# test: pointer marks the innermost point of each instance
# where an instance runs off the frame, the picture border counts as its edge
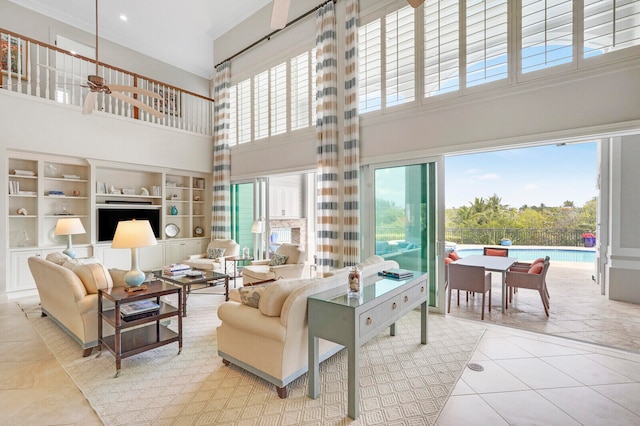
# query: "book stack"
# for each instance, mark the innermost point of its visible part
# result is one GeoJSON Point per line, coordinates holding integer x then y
{"type": "Point", "coordinates": [14, 187]}
{"type": "Point", "coordinates": [136, 310]}
{"type": "Point", "coordinates": [176, 269]}
{"type": "Point", "coordinates": [398, 274]}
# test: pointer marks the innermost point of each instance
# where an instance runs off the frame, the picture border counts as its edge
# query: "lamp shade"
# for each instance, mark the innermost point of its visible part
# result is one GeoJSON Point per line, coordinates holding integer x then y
{"type": "Point", "coordinates": [69, 226]}
{"type": "Point", "coordinates": [258, 226]}
{"type": "Point", "coordinates": [133, 234]}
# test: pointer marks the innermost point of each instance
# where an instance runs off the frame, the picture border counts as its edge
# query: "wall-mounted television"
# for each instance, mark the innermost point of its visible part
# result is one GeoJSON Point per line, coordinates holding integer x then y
{"type": "Point", "coordinates": [108, 219]}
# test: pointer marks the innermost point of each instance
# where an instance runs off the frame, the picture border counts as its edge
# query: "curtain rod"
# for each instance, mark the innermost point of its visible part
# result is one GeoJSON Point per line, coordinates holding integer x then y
{"type": "Point", "coordinates": [268, 36]}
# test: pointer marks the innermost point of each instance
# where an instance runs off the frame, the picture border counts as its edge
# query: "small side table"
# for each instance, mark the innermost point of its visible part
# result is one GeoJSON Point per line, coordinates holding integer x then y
{"type": "Point", "coordinates": [130, 338]}
{"type": "Point", "coordinates": [236, 260]}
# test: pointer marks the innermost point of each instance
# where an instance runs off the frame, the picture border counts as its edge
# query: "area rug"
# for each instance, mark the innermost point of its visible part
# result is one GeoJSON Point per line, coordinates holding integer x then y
{"type": "Point", "coordinates": [401, 381]}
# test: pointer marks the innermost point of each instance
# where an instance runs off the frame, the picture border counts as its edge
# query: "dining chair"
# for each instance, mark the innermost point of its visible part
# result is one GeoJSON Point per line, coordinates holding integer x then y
{"type": "Point", "coordinates": [525, 267]}
{"type": "Point", "coordinates": [469, 278]}
{"type": "Point", "coordinates": [496, 251]}
{"type": "Point", "coordinates": [533, 279]}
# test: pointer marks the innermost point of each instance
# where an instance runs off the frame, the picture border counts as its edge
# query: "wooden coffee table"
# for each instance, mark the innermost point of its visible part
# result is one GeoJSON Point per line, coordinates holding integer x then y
{"type": "Point", "coordinates": [207, 279]}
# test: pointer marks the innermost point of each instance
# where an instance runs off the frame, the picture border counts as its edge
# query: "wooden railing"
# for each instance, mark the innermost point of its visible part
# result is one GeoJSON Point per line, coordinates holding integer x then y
{"type": "Point", "coordinates": [39, 69]}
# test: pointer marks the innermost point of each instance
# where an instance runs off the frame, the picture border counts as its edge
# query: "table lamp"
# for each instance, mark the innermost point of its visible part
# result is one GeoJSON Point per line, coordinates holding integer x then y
{"type": "Point", "coordinates": [133, 234]}
{"type": "Point", "coordinates": [258, 229]}
{"type": "Point", "coordinates": [69, 226]}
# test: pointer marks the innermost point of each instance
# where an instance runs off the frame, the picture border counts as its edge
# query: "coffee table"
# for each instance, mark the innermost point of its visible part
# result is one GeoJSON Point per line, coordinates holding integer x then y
{"type": "Point", "coordinates": [207, 279]}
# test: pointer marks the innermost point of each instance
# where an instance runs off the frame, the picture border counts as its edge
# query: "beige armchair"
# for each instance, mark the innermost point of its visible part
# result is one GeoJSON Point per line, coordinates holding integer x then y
{"type": "Point", "coordinates": [201, 261]}
{"type": "Point", "coordinates": [260, 271]}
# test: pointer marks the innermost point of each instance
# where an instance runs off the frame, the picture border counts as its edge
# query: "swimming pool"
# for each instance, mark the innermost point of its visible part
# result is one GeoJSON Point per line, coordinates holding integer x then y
{"type": "Point", "coordinates": [560, 255]}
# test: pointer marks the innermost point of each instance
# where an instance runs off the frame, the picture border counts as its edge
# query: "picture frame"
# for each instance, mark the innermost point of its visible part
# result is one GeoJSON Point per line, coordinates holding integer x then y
{"type": "Point", "coordinates": [128, 191]}
{"type": "Point", "coordinates": [19, 51]}
{"type": "Point", "coordinates": [101, 188]}
{"type": "Point", "coordinates": [170, 102]}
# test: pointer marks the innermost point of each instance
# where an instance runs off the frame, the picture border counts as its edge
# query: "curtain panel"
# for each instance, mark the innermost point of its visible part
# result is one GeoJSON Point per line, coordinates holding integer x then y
{"type": "Point", "coordinates": [351, 144]}
{"type": "Point", "coordinates": [221, 200]}
{"type": "Point", "coordinates": [328, 242]}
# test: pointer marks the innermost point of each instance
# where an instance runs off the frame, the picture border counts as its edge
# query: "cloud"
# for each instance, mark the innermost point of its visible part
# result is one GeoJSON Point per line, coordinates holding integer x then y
{"type": "Point", "coordinates": [530, 187]}
{"type": "Point", "coordinates": [472, 171]}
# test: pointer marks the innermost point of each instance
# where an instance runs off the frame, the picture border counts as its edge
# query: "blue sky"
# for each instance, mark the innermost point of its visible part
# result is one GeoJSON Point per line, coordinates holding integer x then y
{"type": "Point", "coordinates": [547, 174]}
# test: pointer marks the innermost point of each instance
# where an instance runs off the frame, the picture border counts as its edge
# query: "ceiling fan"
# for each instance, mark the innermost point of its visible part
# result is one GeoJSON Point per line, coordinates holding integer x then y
{"type": "Point", "coordinates": [280, 12]}
{"type": "Point", "coordinates": [96, 84]}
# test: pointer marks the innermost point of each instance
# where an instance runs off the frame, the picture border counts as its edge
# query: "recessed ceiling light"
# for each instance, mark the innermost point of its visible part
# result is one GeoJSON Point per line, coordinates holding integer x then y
{"type": "Point", "coordinates": [123, 17]}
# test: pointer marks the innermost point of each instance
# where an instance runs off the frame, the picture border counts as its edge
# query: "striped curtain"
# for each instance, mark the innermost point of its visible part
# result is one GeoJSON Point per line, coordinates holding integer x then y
{"type": "Point", "coordinates": [351, 146]}
{"type": "Point", "coordinates": [327, 139]}
{"type": "Point", "coordinates": [221, 203]}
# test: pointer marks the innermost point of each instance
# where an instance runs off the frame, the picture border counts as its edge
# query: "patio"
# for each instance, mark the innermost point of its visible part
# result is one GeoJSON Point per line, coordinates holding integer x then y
{"type": "Point", "coordinates": [577, 309]}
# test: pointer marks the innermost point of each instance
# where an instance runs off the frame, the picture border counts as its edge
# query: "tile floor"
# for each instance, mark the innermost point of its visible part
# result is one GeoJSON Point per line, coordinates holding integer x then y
{"type": "Point", "coordinates": [528, 377]}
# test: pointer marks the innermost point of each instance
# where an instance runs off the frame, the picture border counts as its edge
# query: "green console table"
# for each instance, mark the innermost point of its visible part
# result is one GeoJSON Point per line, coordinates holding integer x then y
{"type": "Point", "coordinates": [353, 322]}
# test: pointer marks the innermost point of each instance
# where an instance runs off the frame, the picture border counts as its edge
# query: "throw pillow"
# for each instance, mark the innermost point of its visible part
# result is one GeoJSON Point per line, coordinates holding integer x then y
{"type": "Point", "coordinates": [94, 276]}
{"type": "Point", "coordinates": [278, 259]}
{"type": "Point", "coordinates": [453, 255]}
{"type": "Point", "coordinates": [117, 276]}
{"type": "Point", "coordinates": [250, 296]}
{"type": "Point", "coordinates": [214, 253]}
{"type": "Point", "coordinates": [275, 294]}
{"type": "Point", "coordinates": [58, 258]}
{"type": "Point", "coordinates": [536, 269]}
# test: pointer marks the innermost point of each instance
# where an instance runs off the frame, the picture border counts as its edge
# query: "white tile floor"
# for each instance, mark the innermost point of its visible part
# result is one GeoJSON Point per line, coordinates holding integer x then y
{"type": "Point", "coordinates": [536, 379]}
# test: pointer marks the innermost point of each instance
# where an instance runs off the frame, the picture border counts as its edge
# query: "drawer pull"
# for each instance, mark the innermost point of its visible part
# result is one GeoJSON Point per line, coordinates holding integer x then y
{"type": "Point", "coordinates": [369, 321]}
{"type": "Point", "coordinates": [422, 289]}
{"type": "Point", "coordinates": [394, 305]}
{"type": "Point", "coordinates": [406, 299]}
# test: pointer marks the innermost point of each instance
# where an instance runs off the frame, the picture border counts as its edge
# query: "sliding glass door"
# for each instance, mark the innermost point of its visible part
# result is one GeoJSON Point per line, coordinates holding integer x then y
{"type": "Point", "coordinates": [248, 203]}
{"type": "Point", "coordinates": [406, 222]}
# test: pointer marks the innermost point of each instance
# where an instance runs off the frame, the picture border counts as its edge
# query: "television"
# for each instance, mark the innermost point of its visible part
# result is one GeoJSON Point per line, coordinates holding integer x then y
{"type": "Point", "coordinates": [108, 219]}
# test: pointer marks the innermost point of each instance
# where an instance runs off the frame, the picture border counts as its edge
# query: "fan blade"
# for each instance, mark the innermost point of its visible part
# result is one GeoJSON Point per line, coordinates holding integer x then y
{"type": "Point", "coordinates": [137, 103]}
{"type": "Point", "coordinates": [279, 14]}
{"type": "Point", "coordinates": [132, 89]}
{"type": "Point", "coordinates": [89, 102]}
{"type": "Point", "coordinates": [415, 3]}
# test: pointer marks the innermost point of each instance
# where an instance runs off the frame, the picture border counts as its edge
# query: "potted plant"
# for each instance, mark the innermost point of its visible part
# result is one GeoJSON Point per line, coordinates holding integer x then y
{"type": "Point", "coordinates": [589, 239]}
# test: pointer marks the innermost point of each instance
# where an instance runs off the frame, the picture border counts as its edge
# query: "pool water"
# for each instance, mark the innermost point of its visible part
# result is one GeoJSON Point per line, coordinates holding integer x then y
{"type": "Point", "coordinates": [526, 255]}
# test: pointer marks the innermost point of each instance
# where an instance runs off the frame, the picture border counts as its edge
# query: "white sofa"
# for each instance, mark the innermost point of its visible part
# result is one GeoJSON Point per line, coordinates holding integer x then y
{"type": "Point", "coordinates": [270, 341]}
{"type": "Point", "coordinates": [201, 261]}
{"type": "Point", "coordinates": [68, 290]}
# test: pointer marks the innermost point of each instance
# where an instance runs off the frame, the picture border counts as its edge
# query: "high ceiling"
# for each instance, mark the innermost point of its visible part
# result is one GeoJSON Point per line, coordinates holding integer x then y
{"type": "Point", "coordinates": [180, 33]}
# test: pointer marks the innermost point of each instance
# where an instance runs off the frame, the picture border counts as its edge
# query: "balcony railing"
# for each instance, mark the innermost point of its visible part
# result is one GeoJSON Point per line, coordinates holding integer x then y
{"type": "Point", "coordinates": [38, 69]}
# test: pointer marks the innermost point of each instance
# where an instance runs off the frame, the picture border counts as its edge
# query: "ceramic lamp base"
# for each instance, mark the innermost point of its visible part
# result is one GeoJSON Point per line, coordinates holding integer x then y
{"type": "Point", "coordinates": [134, 278]}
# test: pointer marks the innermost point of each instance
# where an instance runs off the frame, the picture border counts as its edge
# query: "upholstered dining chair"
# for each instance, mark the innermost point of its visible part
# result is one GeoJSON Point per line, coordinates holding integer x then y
{"type": "Point", "coordinates": [533, 279]}
{"type": "Point", "coordinates": [496, 251]}
{"type": "Point", "coordinates": [469, 278]}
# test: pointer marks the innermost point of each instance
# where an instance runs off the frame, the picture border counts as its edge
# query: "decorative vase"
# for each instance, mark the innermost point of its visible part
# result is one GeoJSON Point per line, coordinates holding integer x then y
{"type": "Point", "coordinates": [174, 210]}
{"type": "Point", "coordinates": [245, 252]}
{"type": "Point", "coordinates": [355, 282]}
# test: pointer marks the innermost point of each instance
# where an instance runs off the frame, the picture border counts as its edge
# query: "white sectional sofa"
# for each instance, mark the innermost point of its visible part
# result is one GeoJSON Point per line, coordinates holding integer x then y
{"type": "Point", "coordinates": [270, 340]}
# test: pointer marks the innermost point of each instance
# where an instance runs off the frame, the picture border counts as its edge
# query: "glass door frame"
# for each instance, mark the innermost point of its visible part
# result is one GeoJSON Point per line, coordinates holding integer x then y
{"type": "Point", "coordinates": [367, 200]}
{"type": "Point", "coordinates": [260, 210]}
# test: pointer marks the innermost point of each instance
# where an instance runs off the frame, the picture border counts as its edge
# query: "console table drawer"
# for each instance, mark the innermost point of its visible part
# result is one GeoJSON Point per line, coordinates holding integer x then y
{"type": "Point", "coordinates": [377, 318]}
{"type": "Point", "coordinates": [413, 296]}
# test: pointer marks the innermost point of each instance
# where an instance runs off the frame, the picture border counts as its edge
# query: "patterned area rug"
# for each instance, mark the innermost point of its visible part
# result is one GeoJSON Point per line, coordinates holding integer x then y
{"type": "Point", "coordinates": [402, 382]}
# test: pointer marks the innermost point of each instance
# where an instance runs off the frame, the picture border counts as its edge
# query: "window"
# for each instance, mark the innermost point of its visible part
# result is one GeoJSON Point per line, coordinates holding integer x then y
{"type": "Point", "coordinates": [400, 75]}
{"type": "Point", "coordinates": [278, 89]}
{"type": "Point", "coordinates": [610, 25]}
{"type": "Point", "coordinates": [547, 33]}
{"type": "Point", "coordinates": [233, 115]}
{"type": "Point", "coordinates": [261, 105]}
{"type": "Point", "coordinates": [300, 91]}
{"type": "Point", "coordinates": [441, 47]}
{"type": "Point", "coordinates": [486, 42]}
{"type": "Point", "coordinates": [244, 111]}
{"type": "Point", "coordinates": [370, 66]}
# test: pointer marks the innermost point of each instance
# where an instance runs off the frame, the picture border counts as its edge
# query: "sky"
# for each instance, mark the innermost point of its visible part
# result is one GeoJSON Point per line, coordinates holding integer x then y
{"type": "Point", "coordinates": [548, 174]}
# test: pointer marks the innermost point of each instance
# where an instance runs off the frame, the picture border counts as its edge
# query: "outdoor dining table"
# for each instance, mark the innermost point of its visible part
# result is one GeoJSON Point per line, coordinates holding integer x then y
{"type": "Point", "coordinates": [491, 263]}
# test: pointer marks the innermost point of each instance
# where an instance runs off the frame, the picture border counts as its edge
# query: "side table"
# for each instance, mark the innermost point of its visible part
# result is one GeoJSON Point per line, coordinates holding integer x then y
{"type": "Point", "coordinates": [236, 260]}
{"type": "Point", "coordinates": [136, 336]}
{"type": "Point", "coordinates": [353, 322]}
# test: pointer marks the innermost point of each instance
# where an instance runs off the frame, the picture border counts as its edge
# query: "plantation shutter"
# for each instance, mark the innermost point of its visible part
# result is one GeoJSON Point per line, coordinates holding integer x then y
{"type": "Point", "coordinates": [487, 39]}
{"type": "Point", "coordinates": [441, 47]}
{"type": "Point", "coordinates": [261, 105]}
{"type": "Point", "coordinates": [244, 110]}
{"type": "Point", "coordinates": [610, 25]}
{"type": "Point", "coordinates": [547, 33]}
{"type": "Point", "coordinates": [278, 76]}
{"type": "Point", "coordinates": [370, 66]}
{"type": "Point", "coordinates": [300, 91]}
{"type": "Point", "coordinates": [400, 57]}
